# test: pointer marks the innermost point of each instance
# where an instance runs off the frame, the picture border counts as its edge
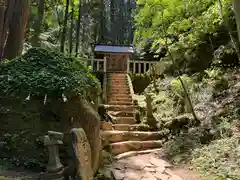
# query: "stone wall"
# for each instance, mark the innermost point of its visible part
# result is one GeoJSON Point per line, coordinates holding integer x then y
{"type": "Point", "coordinates": [23, 126]}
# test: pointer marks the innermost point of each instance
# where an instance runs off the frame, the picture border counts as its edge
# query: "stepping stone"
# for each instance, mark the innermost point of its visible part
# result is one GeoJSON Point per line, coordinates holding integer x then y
{"type": "Point", "coordinates": [175, 177]}
{"type": "Point", "coordinates": [133, 174]}
{"type": "Point", "coordinates": [118, 175]}
{"type": "Point", "coordinates": [120, 102]}
{"type": "Point", "coordinates": [106, 126]}
{"type": "Point", "coordinates": [135, 153]}
{"type": "Point", "coordinates": [124, 120]}
{"type": "Point", "coordinates": [119, 107]}
{"type": "Point", "coordinates": [159, 162]}
{"type": "Point", "coordinates": [126, 146]}
{"type": "Point", "coordinates": [124, 127]}
{"type": "Point", "coordinates": [129, 127]}
{"type": "Point", "coordinates": [161, 176]}
{"type": "Point", "coordinates": [118, 136]}
{"type": "Point", "coordinates": [122, 113]}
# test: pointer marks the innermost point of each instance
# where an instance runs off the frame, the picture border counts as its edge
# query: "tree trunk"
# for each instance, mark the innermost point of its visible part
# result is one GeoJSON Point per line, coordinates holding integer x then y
{"type": "Point", "coordinates": [3, 6]}
{"type": "Point", "coordinates": [16, 30]}
{"type": "Point", "coordinates": [78, 28]}
{"type": "Point", "coordinates": [64, 27]}
{"type": "Point", "coordinates": [226, 23]}
{"type": "Point", "coordinates": [7, 18]}
{"type": "Point", "coordinates": [37, 24]}
{"type": "Point", "coordinates": [236, 8]}
{"type": "Point", "coordinates": [71, 29]}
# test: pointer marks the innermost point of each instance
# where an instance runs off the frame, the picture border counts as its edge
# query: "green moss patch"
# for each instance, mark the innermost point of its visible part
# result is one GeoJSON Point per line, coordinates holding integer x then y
{"type": "Point", "coordinates": [41, 71]}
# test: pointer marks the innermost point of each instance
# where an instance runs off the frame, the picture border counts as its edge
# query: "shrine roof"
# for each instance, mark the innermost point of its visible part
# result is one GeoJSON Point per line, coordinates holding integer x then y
{"type": "Point", "coordinates": [113, 49]}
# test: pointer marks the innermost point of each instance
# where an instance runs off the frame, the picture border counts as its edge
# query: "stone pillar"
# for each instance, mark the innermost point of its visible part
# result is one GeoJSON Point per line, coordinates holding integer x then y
{"type": "Point", "coordinates": [151, 121]}
{"type": "Point", "coordinates": [54, 167]}
{"type": "Point", "coordinates": [149, 105]}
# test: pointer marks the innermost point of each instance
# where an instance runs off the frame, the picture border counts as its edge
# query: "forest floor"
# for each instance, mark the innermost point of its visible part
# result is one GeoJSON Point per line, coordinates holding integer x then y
{"type": "Point", "coordinates": [8, 172]}
{"type": "Point", "coordinates": [152, 166]}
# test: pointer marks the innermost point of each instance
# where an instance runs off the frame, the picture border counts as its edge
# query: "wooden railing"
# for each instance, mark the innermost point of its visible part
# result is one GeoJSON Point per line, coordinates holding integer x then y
{"type": "Point", "coordinates": [139, 67]}
{"type": "Point", "coordinates": [98, 65]}
{"type": "Point", "coordinates": [134, 67]}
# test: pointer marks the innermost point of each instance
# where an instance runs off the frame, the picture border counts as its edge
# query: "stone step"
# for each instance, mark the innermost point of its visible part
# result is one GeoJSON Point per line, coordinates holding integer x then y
{"type": "Point", "coordinates": [116, 96]}
{"type": "Point", "coordinates": [122, 79]}
{"type": "Point", "coordinates": [120, 100]}
{"type": "Point", "coordinates": [119, 81]}
{"type": "Point", "coordinates": [137, 153]}
{"type": "Point", "coordinates": [118, 75]}
{"type": "Point", "coordinates": [120, 94]}
{"type": "Point", "coordinates": [120, 89]}
{"type": "Point", "coordinates": [126, 146]}
{"type": "Point", "coordinates": [107, 126]}
{"type": "Point", "coordinates": [119, 107]}
{"type": "Point", "coordinates": [131, 127]}
{"type": "Point", "coordinates": [123, 84]}
{"type": "Point", "coordinates": [120, 103]}
{"type": "Point", "coordinates": [119, 136]}
{"type": "Point", "coordinates": [122, 113]}
{"type": "Point", "coordinates": [124, 120]}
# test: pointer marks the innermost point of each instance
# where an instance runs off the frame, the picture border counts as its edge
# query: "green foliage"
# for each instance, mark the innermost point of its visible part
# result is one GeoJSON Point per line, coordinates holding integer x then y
{"type": "Point", "coordinates": [220, 158]}
{"type": "Point", "coordinates": [41, 72]}
{"type": "Point", "coordinates": [140, 82]}
{"type": "Point", "coordinates": [215, 77]}
{"type": "Point", "coordinates": [189, 29]}
{"type": "Point", "coordinates": [177, 87]}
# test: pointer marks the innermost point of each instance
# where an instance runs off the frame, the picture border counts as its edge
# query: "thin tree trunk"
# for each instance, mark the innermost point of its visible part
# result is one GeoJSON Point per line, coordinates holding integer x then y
{"type": "Point", "coordinates": [189, 100]}
{"type": "Point", "coordinates": [225, 21]}
{"type": "Point", "coordinates": [78, 28]}
{"type": "Point", "coordinates": [64, 27]}
{"type": "Point", "coordinates": [236, 8]}
{"type": "Point", "coordinates": [186, 93]}
{"type": "Point", "coordinates": [7, 18]}
{"type": "Point", "coordinates": [37, 24]}
{"type": "Point", "coordinates": [71, 29]}
{"type": "Point", "coordinates": [3, 5]}
{"type": "Point", "coordinates": [102, 23]}
{"type": "Point", "coordinates": [17, 28]}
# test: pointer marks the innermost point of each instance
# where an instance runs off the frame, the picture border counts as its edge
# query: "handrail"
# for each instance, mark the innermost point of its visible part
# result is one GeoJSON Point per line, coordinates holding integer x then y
{"type": "Point", "coordinates": [130, 86]}
{"type": "Point", "coordinates": [139, 61]}
{"type": "Point", "coordinates": [98, 61]}
{"type": "Point", "coordinates": [138, 66]}
{"type": "Point", "coordinates": [105, 88]}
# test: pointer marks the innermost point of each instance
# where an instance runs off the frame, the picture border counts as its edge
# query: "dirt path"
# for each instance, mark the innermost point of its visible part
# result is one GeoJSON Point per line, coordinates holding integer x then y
{"type": "Point", "coordinates": [150, 167]}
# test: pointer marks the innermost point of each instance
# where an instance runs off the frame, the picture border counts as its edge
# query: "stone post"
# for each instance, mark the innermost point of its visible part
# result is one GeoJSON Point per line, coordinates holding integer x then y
{"type": "Point", "coordinates": [54, 167]}
{"type": "Point", "coordinates": [151, 121]}
{"type": "Point", "coordinates": [149, 105]}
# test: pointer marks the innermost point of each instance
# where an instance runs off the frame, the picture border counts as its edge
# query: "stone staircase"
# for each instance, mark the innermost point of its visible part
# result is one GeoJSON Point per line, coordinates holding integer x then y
{"type": "Point", "coordinates": [124, 136]}
{"type": "Point", "coordinates": [136, 150]}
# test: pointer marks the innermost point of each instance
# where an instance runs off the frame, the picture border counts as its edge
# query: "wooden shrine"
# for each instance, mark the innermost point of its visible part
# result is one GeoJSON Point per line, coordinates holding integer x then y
{"type": "Point", "coordinates": [116, 57]}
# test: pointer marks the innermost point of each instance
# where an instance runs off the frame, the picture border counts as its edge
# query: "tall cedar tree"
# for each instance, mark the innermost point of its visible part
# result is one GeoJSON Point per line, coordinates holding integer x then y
{"type": "Point", "coordinates": [236, 7]}
{"type": "Point", "coordinates": [15, 22]}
